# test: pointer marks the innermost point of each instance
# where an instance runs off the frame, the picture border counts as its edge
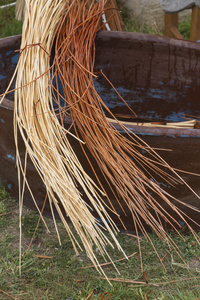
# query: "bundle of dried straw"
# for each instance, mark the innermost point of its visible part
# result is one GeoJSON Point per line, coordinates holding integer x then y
{"type": "Point", "coordinates": [72, 26]}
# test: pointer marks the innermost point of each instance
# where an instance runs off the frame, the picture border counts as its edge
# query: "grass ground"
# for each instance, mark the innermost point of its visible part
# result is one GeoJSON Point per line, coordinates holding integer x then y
{"type": "Point", "coordinates": [50, 271]}
{"type": "Point", "coordinates": [8, 24]}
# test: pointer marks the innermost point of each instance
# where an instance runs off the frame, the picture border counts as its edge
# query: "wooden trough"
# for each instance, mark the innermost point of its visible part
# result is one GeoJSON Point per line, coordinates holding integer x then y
{"type": "Point", "coordinates": [158, 77]}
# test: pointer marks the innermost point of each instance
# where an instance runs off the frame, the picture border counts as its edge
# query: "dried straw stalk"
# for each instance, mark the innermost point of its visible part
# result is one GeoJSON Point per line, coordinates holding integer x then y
{"type": "Point", "coordinates": [20, 9]}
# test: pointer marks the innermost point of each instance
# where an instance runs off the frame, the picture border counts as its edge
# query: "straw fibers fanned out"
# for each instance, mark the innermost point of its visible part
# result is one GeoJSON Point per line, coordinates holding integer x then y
{"type": "Point", "coordinates": [45, 139]}
{"type": "Point", "coordinates": [73, 25]}
{"type": "Point", "coordinates": [118, 158]}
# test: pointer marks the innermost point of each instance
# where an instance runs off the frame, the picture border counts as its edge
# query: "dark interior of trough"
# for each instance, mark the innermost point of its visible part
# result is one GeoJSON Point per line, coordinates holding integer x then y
{"type": "Point", "coordinates": [157, 77]}
{"type": "Point", "coordinates": [159, 81]}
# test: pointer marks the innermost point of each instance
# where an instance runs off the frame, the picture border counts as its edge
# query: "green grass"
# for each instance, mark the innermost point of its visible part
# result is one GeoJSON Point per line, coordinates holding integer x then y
{"type": "Point", "coordinates": [63, 276]}
{"type": "Point", "coordinates": [8, 24]}
{"type": "Point", "coordinates": [184, 28]}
